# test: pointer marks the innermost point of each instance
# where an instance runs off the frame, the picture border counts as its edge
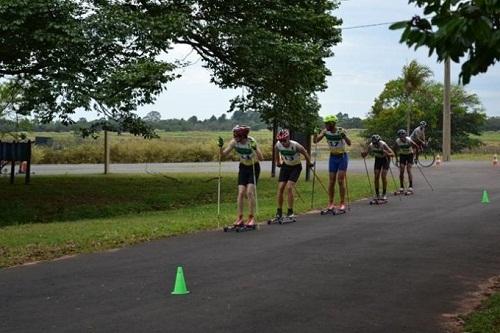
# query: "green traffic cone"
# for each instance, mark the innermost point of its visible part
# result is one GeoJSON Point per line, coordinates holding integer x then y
{"type": "Point", "coordinates": [180, 285]}
{"type": "Point", "coordinates": [485, 197]}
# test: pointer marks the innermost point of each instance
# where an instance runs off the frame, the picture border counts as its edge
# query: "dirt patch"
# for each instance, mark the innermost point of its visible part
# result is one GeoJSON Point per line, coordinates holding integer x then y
{"type": "Point", "coordinates": [453, 322]}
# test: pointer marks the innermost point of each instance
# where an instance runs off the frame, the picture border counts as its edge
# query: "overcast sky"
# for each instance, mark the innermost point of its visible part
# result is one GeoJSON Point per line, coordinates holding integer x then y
{"type": "Point", "coordinates": [366, 59]}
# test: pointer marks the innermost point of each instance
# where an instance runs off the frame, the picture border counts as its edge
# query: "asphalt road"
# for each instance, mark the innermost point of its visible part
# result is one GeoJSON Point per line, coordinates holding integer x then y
{"type": "Point", "coordinates": [391, 268]}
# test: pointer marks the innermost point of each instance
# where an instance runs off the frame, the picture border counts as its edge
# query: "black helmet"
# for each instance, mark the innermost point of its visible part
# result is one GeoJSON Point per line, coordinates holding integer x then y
{"type": "Point", "coordinates": [375, 138]}
{"type": "Point", "coordinates": [423, 123]}
{"type": "Point", "coordinates": [402, 132]}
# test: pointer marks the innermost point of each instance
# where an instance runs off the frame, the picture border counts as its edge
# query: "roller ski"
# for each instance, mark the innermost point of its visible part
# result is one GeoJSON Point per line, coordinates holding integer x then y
{"type": "Point", "coordinates": [379, 200]}
{"type": "Point", "coordinates": [402, 191]}
{"type": "Point", "coordinates": [279, 219]}
{"type": "Point", "coordinates": [334, 210]}
{"type": "Point", "coordinates": [240, 226]}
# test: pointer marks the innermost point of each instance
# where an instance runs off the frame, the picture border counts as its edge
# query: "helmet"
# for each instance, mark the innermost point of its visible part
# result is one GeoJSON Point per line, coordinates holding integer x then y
{"type": "Point", "coordinates": [330, 119]}
{"type": "Point", "coordinates": [402, 132]}
{"type": "Point", "coordinates": [375, 138]}
{"type": "Point", "coordinates": [423, 123]}
{"type": "Point", "coordinates": [283, 135]}
{"type": "Point", "coordinates": [240, 131]}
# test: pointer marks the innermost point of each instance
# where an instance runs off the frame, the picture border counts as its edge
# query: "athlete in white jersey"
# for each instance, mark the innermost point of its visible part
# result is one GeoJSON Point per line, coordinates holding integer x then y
{"type": "Point", "coordinates": [418, 136]}
{"type": "Point", "coordinates": [250, 155]}
{"type": "Point", "coordinates": [404, 148]}
{"type": "Point", "coordinates": [287, 153]}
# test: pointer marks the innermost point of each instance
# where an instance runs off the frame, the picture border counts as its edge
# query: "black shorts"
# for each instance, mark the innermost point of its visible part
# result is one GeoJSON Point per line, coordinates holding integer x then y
{"type": "Point", "coordinates": [381, 163]}
{"type": "Point", "coordinates": [290, 173]}
{"type": "Point", "coordinates": [405, 159]}
{"type": "Point", "coordinates": [245, 176]}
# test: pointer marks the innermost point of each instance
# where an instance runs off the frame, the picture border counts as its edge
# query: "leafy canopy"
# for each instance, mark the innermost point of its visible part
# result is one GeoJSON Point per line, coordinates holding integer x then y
{"type": "Point", "coordinates": [457, 29]}
{"type": "Point", "coordinates": [389, 110]}
{"type": "Point", "coordinates": [108, 56]}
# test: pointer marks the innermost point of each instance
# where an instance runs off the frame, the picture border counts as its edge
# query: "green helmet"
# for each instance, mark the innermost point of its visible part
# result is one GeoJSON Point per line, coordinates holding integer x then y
{"type": "Point", "coordinates": [330, 119]}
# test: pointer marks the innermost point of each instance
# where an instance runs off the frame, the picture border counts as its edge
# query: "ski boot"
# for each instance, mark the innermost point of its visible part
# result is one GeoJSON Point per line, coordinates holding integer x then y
{"type": "Point", "coordinates": [277, 219]}
{"type": "Point", "coordinates": [409, 191]}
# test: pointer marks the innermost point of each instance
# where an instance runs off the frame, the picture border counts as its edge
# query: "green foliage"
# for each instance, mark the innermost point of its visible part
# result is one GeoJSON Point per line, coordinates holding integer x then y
{"type": "Point", "coordinates": [389, 110]}
{"type": "Point", "coordinates": [457, 29]}
{"type": "Point", "coordinates": [103, 56]}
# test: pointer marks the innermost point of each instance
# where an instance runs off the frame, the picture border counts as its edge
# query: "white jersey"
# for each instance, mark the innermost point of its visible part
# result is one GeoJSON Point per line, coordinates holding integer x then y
{"type": "Point", "coordinates": [290, 155]}
{"type": "Point", "coordinates": [418, 133]}
{"type": "Point", "coordinates": [404, 147]}
{"type": "Point", "coordinates": [377, 150]}
{"type": "Point", "coordinates": [335, 141]}
{"type": "Point", "coordinates": [248, 156]}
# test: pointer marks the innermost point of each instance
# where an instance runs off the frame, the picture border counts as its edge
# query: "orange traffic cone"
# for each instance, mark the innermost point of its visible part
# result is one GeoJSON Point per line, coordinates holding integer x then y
{"type": "Point", "coordinates": [438, 160]}
{"type": "Point", "coordinates": [495, 160]}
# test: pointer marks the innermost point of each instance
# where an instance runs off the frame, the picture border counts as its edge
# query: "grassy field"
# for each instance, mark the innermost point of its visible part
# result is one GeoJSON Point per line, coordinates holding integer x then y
{"type": "Point", "coordinates": [192, 147]}
{"type": "Point", "coordinates": [486, 319]}
{"type": "Point", "coordinates": [170, 147]}
{"type": "Point", "coordinates": [65, 215]}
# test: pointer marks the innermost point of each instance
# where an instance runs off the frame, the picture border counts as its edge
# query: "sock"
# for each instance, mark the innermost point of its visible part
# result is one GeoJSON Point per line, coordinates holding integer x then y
{"type": "Point", "coordinates": [377, 192]}
{"type": "Point", "coordinates": [279, 211]}
{"type": "Point", "coordinates": [384, 191]}
{"type": "Point", "coordinates": [411, 183]}
{"type": "Point", "coordinates": [290, 211]}
{"type": "Point", "coordinates": [401, 183]}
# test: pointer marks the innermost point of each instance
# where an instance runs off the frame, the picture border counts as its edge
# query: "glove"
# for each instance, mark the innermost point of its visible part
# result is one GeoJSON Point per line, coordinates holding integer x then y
{"type": "Point", "coordinates": [364, 154]}
{"type": "Point", "coordinates": [343, 135]}
{"type": "Point", "coordinates": [220, 142]}
{"type": "Point", "coordinates": [311, 165]}
{"type": "Point", "coordinates": [279, 164]}
{"type": "Point", "coordinates": [316, 130]}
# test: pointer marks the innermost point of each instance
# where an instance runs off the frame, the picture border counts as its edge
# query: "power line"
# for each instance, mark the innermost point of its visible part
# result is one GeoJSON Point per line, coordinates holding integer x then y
{"type": "Point", "coordinates": [369, 25]}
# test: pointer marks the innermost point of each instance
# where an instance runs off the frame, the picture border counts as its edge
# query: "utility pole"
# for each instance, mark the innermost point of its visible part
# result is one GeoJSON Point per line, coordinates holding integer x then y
{"type": "Point", "coordinates": [446, 112]}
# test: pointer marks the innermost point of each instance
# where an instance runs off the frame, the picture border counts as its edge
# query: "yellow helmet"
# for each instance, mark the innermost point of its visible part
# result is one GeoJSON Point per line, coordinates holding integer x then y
{"type": "Point", "coordinates": [330, 119]}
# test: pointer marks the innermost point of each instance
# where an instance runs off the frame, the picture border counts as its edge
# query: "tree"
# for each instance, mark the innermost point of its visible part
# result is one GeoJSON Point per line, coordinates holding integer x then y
{"type": "Point", "coordinates": [389, 110]}
{"type": "Point", "coordinates": [414, 76]}
{"type": "Point", "coordinates": [104, 55]}
{"type": "Point", "coordinates": [152, 117]}
{"type": "Point", "coordinates": [457, 29]}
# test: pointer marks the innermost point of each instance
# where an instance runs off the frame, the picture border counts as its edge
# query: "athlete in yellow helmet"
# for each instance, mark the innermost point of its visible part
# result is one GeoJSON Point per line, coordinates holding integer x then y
{"type": "Point", "coordinates": [337, 140]}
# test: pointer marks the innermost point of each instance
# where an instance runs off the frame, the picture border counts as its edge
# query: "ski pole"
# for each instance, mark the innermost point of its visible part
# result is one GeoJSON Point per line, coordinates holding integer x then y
{"type": "Point", "coordinates": [392, 176]}
{"type": "Point", "coordinates": [347, 192]}
{"type": "Point", "coordinates": [368, 175]}
{"type": "Point", "coordinates": [320, 182]}
{"type": "Point", "coordinates": [424, 177]}
{"type": "Point", "coordinates": [255, 185]}
{"type": "Point", "coordinates": [298, 193]}
{"type": "Point", "coordinates": [218, 192]}
{"type": "Point", "coordinates": [314, 172]}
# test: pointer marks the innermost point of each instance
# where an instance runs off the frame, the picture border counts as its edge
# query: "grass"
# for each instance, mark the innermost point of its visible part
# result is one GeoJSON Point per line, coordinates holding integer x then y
{"type": "Point", "coordinates": [486, 319]}
{"type": "Point", "coordinates": [66, 215]}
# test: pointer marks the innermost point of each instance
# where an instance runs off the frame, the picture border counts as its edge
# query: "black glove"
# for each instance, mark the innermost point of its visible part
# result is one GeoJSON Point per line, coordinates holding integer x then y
{"type": "Point", "coordinates": [220, 142]}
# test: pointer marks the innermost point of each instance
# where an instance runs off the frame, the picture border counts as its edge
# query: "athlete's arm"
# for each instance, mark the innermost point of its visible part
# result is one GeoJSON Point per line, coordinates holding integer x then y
{"type": "Point", "coordinates": [303, 151]}
{"type": "Point", "coordinates": [277, 158]}
{"type": "Point", "coordinates": [317, 137]}
{"type": "Point", "coordinates": [346, 139]}
{"type": "Point", "coordinates": [388, 151]}
{"type": "Point", "coordinates": [230, 146]}
{"type": "Point", "coordinates": [260, 156]}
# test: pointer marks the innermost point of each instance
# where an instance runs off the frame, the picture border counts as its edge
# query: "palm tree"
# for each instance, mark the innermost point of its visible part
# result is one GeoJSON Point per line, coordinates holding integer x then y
{"type": "Point", "coordinates": [414, 77]}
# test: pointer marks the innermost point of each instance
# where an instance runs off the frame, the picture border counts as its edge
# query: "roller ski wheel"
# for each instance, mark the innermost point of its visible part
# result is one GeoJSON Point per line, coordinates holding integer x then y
{"type": "Point", "coordinates": [288, 219]}
{"type": "Point", "coordinates": [240, 228]}
{"type": "Point", "coordinates": [409, 192]}
{"type": "Point", "coordinates": [334, 211]}
{"type": "Point", "coordinates": [275, 220]}
{"type": "Point", "coordinates": [378, 201]}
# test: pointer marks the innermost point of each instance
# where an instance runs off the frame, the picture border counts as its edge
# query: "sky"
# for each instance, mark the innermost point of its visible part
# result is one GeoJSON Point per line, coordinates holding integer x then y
{"type": "Point", "coordinates": [363, 62]}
